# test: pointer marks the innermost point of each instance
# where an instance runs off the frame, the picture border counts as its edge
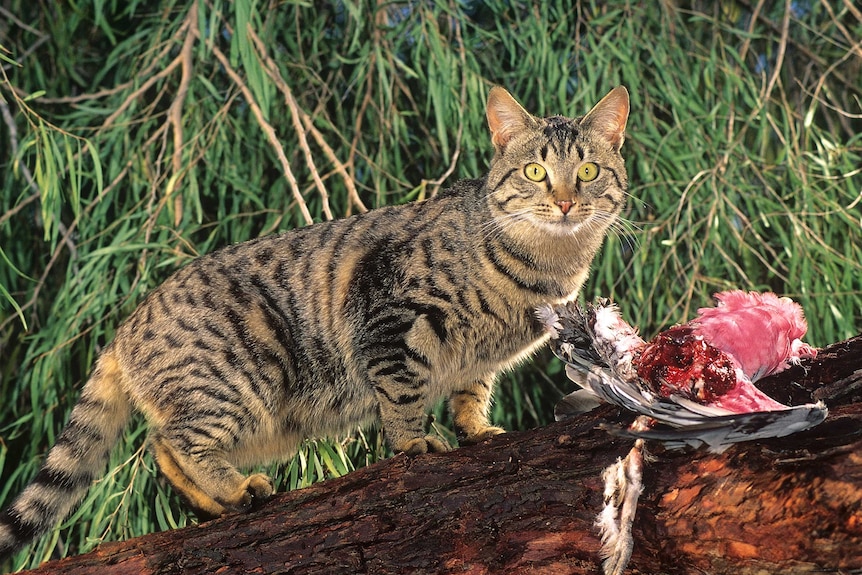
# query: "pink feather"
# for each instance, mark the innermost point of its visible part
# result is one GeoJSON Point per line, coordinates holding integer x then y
{"type": "Point", "coordinates": [760, 331]}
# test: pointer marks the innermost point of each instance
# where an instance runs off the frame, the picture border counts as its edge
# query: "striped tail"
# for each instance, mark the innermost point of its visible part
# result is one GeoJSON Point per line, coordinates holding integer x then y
{"type": "Point", "coordinates": [77, 459]}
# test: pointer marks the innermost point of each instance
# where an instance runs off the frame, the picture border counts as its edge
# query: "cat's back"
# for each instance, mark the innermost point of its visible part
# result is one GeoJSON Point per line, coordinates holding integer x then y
{"type": "Point", "coordinates": [286, 296]}
{"type": "Point", "coordinates": [303, 256]}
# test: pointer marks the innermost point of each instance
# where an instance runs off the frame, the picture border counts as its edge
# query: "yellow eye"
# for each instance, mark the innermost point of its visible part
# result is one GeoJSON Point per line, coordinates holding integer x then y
{"type": "Point", "coordinates": [588, 172]}
{"type": "Point", "coordinates": [535, 172]}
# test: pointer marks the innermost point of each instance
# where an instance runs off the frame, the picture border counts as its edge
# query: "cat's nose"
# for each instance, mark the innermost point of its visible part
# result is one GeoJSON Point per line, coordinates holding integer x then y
{"type": "Point", "coordinates": [564, 205]}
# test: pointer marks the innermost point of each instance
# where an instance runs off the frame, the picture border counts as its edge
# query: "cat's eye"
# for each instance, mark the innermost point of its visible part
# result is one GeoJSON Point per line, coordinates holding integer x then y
{"type": "Point", "coordinates": [535, 172]}
{"type": "Point", "coordinates": [588, 172]}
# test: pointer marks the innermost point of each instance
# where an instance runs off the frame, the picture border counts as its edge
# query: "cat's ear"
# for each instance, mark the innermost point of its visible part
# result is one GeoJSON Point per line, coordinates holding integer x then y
{"type": "Point", "coordinates": [506, 117]}
{"type": "Point", "coordinates": [608, 118]}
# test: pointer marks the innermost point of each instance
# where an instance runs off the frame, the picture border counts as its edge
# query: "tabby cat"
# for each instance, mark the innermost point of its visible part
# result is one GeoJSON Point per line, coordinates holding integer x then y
{"type": "Point", "coordinates": [243, 353]}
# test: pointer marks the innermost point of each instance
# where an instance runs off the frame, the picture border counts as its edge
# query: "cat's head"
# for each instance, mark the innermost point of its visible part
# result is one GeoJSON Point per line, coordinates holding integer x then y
{"type": "Point", "coordinates": [559, 174]}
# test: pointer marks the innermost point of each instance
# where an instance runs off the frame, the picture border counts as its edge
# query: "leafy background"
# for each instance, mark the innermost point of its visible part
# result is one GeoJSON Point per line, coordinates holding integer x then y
{"type": "Point", "coordinates": [137, 135]}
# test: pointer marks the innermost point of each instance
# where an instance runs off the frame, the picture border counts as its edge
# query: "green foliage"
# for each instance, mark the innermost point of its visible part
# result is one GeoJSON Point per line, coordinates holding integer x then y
{"type": "Point", "coordinates": [138, 135]}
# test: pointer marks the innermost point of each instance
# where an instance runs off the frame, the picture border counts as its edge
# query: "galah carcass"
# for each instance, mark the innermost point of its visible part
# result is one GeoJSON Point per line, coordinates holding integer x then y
{"type": "Point", "coordinates": [696, 379]}
{"type": "Point", "coordinates": [691, 385]}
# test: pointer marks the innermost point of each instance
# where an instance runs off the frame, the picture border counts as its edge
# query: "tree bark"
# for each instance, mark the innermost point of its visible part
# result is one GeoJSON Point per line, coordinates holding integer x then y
{"type": "Point", "coordinates": [525, 503]}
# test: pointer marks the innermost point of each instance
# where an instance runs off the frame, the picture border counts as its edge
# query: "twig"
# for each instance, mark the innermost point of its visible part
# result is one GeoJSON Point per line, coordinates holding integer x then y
{"type": "Point", "coordinates": [153, 212]}
{"type": "Point", "coordinates": [746, 44]}
{"type": "Point", "coordinates": [184, 28]}
{"type": "Point", "coordinates": [853, 10]}
{"type": "Point", "coordinates": [42, 37]}
{"type": "Point", "coordinates": [779, 59]}
{"type": "Point", "coordinates": [267, 129]}
{"type": "Point", "coordinates": [18, 207]}
{"type": "Point", "coordinates": [815, 95]}
{"type": "Point", "coordinates": [20, 23]}
{"type": "Point", "coordinates": [40, 284]}
{"type": "Point", "coordinates": [161, 132]}
{"type": "Point", "coordinates": [13, 145]}
{"type": "Point", "coordinates": [843, 29]}
{"type": "Point", "coordinates": [802, 48]}
{"type": "Point", "coordinates": [28, 175]}
{"type": "Point", "coordinates": [352, 194]}
{"type": "Point", "coordinates": [457, 153]}
{"type": "Point", "coordinates": [144, 87]}
{"type": "Point", "coordinates": [363, 106]}
{"type": "Point", "coordinates": [169, 46]}
{"type": "Point", "coordinates": [175, 114]}
{"type": "Point", "coordinates": [295, 114]}
{"type": "Point", "coordinates": [66, 241]}
{"type": "Point", "coordinates": [765, 94]}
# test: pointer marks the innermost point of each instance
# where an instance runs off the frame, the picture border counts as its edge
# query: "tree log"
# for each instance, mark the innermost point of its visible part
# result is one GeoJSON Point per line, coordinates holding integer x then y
{"type": "Point", "coordinates": [525, 503]}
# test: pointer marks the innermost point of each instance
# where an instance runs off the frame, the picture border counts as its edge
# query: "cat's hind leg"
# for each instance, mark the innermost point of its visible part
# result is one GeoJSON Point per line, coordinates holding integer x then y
{"type": "Point", "coordinates": [204, 478]}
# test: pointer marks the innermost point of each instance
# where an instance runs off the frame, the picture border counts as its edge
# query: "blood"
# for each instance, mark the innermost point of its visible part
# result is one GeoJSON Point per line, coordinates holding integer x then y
{"type": "Point", "coordinates": [678, 362]}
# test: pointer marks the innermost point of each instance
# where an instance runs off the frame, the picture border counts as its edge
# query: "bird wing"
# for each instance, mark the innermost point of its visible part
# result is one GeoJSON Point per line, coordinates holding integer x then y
{"type": "Point", "coordinates": [718, 433]}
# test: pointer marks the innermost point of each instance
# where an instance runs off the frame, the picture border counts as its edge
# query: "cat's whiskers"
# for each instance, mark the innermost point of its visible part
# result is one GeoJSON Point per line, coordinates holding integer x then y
{"type": "Point", "coordinates": [624, 229]}
{"type": "Point", "coordinates": [499, 224]}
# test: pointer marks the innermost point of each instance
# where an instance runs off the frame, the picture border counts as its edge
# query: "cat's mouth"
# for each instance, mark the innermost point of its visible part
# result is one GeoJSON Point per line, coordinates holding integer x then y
{"type": "Point", "coordinates": [570, 216]}
{"type": "Point", "coordinates": [553, 222]}
{"type": "Point", "coordinates": [564, 224]}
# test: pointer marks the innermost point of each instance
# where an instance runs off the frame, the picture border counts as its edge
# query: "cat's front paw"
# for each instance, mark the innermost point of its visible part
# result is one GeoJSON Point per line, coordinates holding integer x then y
{"type": "Point", "coordinates": [481, 435]}
{"type": "Point", "coordinates": [254, 490]}
{"type": "Point", "coordinates": [427, 444]}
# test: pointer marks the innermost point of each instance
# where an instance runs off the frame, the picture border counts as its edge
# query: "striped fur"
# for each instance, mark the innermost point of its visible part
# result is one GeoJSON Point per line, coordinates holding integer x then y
{"type": "Point", "coordinates": [245, 352]}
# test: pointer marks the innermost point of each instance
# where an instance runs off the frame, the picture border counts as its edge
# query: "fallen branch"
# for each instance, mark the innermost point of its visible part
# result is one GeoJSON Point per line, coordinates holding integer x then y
{"type": "Point", "coordinates": [526, 502]}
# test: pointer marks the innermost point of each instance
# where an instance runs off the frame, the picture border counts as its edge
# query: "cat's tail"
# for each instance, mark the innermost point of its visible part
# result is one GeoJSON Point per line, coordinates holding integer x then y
{"type": "Point", "coordinates": [77, 459]}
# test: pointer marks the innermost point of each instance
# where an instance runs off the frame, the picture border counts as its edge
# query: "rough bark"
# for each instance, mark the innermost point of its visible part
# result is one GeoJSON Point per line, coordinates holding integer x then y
{"type": "Point", "coordinates": [526, 502]}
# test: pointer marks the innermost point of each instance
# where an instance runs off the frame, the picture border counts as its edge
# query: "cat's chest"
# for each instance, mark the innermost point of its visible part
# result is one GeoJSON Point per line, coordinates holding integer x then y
{"type": "Point", "coordinates": [474, 347]}
{"type": "Point", "coordinates": [498, 348]}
